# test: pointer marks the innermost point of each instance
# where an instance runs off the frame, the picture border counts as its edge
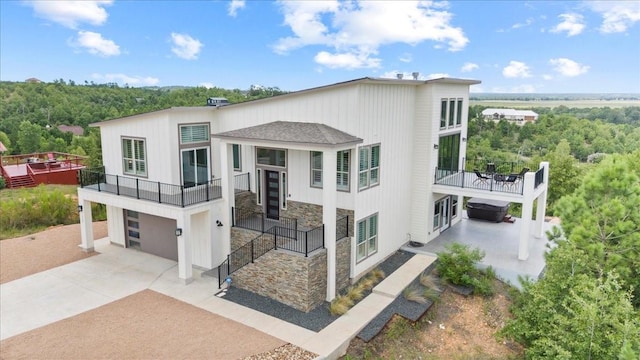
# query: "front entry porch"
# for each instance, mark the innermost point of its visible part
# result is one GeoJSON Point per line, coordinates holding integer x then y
{"type": "Point", "coordinates": [499, 241]}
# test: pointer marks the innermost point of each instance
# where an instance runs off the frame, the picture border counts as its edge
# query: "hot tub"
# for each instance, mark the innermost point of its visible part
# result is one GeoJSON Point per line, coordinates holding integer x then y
{"type": "Point", "coordinates": [492, 210]}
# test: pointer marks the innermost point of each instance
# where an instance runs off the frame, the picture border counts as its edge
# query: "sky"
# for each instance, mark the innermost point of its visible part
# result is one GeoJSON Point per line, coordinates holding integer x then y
{"type": "Point", "coordinates": [511, 46]}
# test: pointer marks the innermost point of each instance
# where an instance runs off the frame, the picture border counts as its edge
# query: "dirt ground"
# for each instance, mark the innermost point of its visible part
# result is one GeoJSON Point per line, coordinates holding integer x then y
{"type": "Point", "coordinates": [145, 325]}
{"type": "Point", "coordinates": [45, 250]}
{"type": "Point", "coordinates": [457, 327]}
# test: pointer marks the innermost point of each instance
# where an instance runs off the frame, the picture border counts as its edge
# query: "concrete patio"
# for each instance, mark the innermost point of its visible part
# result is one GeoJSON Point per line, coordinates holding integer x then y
{"type": "Point", "coordinates": [499, 241]}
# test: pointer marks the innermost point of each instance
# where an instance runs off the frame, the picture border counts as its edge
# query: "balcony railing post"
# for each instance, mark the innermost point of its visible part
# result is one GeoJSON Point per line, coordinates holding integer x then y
{"type": "Point", "coordinates": [249, 181]}
{"type": "Point", "coordinates": [117, 185]}
{"type": "Point", "coordinates": [233, 216]}
{"type": "Point", "coordinates": [228, 264]}
{"type": "Point", "coordinates": [306, 244]}
{"type": "Point", "coordinates": [275, 237]}
{"type": "Point", "coordinates": [100, 178]}
{"type": "Point", "coordinates": [137, 189]}
{"type": "Point", "coordinates": [323, 235]}
{"type": "Point", "coordinates": [209, 183]}
{"type": "Point", "coordinates": [262, 223]}
{"type": "Point", "coordinates": [182, 195]}
{"type": "Point", "coordinates": [252, 251]}
{"type": "Point", "coordinates": [463, 174]}
{"type": "Point", "coordinates": [159, 194]}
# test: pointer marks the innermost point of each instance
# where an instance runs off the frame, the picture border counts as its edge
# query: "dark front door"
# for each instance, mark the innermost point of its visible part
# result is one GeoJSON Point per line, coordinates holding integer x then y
{"type": "Point", "coordinates": [273, 194]}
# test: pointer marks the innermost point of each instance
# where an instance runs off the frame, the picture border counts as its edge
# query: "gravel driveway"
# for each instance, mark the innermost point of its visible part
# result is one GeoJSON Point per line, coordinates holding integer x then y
{"type": "Point", "coordinates": [145, 325]}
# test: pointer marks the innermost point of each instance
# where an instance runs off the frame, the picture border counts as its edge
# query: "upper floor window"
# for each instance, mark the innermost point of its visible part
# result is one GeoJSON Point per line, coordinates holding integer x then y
{"type": "Point", "coordinates": [237, 158]}
{"type": "Point", "coordinates": [271, 157]}
{"type": "Point", "coordinates": [342, 169]}
{"type": "Point", "coordinates": [450, 113]}
{"type": "Point", "coordinates": [368, 166]}
{"type": "Point", "coordinates": [134, 160]}
{"type": "Point", "coordinates": [190, 134]}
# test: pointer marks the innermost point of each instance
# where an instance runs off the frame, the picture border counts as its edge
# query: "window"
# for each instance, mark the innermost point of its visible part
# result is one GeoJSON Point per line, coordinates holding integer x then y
{"type": "Point", "coordinates": [368, 166]}
{"type": "Point", "coordinates": [134, 161]}
{"type": "Point", "coordinates": [454, 206]}
{"type": "Point", "coordinates": [342, 170]}
{"type": "Point", "coordinates": [272, 157]}
{"type": "Point", "coordinates": [452, 111]}
{"type": "Point", "coordinates": [459, 113]}
{"type": "Point", "coordinates": [449, 152]}
{"type": "Point", "coordinates": [283, 189]}
{"type": "Point", "coordinates": [259, 186]}
{"type": "Point", "coordinates": [237, 159]}
{"type": "Point", "coordinates": [436, 216]}
{"type": "Point", "coordinates": [195, 166]}
{"type": "Point", "coordinates": [367, 244]}
{"type": "Point", "coordinates": [316, 169]}
{"type": "Point", "coordinates": [443, 113]}
{"type": "Point", "coordinates": [190, 134]}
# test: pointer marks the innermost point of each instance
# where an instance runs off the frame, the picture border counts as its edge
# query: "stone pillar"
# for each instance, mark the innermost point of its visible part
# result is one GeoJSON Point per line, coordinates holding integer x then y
{"type": "Point", "coordinates": [329, 195]}
{"type": "Point", "coordinates": [185, 261]}
{"type": "Point", "coordinates": [86, 225]}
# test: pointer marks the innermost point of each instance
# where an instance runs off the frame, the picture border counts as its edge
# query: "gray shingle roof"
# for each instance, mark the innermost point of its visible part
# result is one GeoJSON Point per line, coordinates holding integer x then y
{"type": "Point", "coordinates": [292, 132]}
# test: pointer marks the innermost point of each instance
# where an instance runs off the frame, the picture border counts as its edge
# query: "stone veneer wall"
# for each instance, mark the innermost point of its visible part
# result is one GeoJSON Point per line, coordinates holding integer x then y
{"type": "Point", "coordinates": [287, 277]}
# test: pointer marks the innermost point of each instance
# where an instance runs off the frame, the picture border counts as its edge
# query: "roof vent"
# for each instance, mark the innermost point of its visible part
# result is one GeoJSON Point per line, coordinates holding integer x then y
{"type": "Point", "coordinates": [399, 76]}
{"type": "Point", "coordinates": [415, 75]}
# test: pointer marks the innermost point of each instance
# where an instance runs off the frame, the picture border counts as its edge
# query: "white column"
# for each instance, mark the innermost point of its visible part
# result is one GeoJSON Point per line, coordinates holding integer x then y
{"type": "Point", "coordinates": [527, 213]}
{"type": "Point", "coordinates": [229, 198]}
{"type": "Point", "coordinates": [542, 202]}
{"type": "Point", "coordinates": [185, 271]}
{"type": "Point", "coordinates": [329, 196]}
{"type": "Point", "coordinates": [86, 225]}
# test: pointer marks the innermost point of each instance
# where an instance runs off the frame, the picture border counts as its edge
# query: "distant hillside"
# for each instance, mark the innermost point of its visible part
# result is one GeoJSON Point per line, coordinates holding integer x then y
{"type": "Point", "coordinates": [59, 103]}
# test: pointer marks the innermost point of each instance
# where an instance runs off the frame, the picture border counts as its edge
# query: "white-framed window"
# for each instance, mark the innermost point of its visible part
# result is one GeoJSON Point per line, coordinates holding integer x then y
{"type": "Point", "coordinates": [436, 215]}
{"type": "Point", "coordinates": [450, 112]}
{"type": "Point", "coordinates": [368, 166]}
{"type": "Point", "coordinates": [454, 206]}
{"type": "Point", "coordinates": [237, 157]}
{"type": "Point", "coordinates": [316, 169]}
{"type": "Point", "coordinates": [342, 169]}
{"type": "Point", "coordinates": [367, 237]}
{"type": "Point", "coordinates": [134, 159]}
{"type": "Point", "coordinates": [271, 157]}
{"type": "Point", "coordinates": [459, 113]}
{"type": "Point", "coordinates": [197, 133]}
{"type": "Point", "coordinates": [443, 113]}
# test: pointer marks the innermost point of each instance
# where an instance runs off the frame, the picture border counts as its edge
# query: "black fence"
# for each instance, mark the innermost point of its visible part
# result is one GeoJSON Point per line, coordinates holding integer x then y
{"type": "Point", "coordinates": [258, 221]}
{"type": "Point", "coordinates": [178, 195]}
{"type": "Point", "coordinates": [507, 183]}
{"type": "Point", "coordinates": [539, 177]}
{"type": "Point", "coordinates": [500, 167]}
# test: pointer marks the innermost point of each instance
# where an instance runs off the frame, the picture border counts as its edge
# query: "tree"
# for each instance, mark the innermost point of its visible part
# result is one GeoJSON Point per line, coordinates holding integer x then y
{"type": "Point", "coordinates": [564, 174]}
{"type": "Point", "coordinates": [4, 139]}
{"type": "Point", "coordinates": [29, 137]}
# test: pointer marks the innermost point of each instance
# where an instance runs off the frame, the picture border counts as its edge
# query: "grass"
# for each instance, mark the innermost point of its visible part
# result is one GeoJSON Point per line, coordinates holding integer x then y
{"type": "Point", "coordinates": [415, 294]}
{"type": "Point", "coordinates": [24, 193]}
{"type": "Point", "coordinates": [342, 303]}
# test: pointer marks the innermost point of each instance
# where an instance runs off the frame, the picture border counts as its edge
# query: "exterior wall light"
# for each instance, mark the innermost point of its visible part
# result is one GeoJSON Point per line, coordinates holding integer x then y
{"type": "Point", "coordinates": [79, 208]}
{"type": "Point", "coordinates": [435, 146]}
{"type": "Point", "coordinates": [178, 232]}
{"type": "Point", "coordinates": [219, 223]}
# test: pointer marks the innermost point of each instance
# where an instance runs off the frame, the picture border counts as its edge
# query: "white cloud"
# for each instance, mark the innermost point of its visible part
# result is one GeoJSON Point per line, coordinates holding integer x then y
{"type": "Point", "coordinates": [567, 67]}
{"type": "Point", "coordinates": [125, 79]}
{"type": "Point", "coordinates": [469, 66]}
{"type": "Point", "coordinates": [95, 44]}
{"type": "Point", "coordinates": [357, 29]}
{"type": "Point", "coordinates": [528, 22]}
{"type": "Point", "coordinates": [516, 69]}
{"type": "Point", "coordinates": [234, 6]}
{"type": "Point", "coordinates": [72, 13]}
{"type": "Point", "coordinates": [406, 57]}
{"type": "Point", "coordinates": [573, 24]}
{"type": "Point", "coordinates": [547, 77]}
{"type": "Point", "coordinates": [346, 60]}
{"type": "Point", "coordinates": [185, 47]}
{"type": "Point", "coordinates": [617, 16]}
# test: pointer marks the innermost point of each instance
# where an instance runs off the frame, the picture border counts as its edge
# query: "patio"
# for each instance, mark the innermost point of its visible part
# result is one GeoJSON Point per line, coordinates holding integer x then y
{"type": "Point", "coordinates": [499, 241]}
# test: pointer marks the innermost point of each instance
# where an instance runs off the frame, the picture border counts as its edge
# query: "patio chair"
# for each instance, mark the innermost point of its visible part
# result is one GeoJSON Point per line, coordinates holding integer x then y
{"type": "Point", "coordinates": [521, 174]}
{"type": "Point", "coordinates": [510, 180]}
{"type": "Point", "coordinates": [480, 178]}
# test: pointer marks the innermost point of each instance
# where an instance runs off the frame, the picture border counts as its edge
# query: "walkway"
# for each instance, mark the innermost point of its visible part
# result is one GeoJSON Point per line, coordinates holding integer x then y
{"type": "Point", "coordinates": [68, 290]}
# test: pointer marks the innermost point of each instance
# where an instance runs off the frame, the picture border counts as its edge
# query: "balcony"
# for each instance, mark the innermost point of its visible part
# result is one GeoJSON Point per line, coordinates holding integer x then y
{"type": "Point", "coordinates": [176, 195]}
{"type": "Point", "coordinates": [494, 182]}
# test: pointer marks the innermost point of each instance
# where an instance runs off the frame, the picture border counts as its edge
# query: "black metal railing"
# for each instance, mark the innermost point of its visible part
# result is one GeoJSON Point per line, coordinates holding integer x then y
{"type": "Point", "coordinates": [242, 182]}
{"type": "Point", "coordinates": [500, 167]}
{"type": "Point", "coordinates": [258, 221]}
{"type": "Point", "coordinates": [507, 183]}
{"type": "Point", "coordinates": [178, 195]}
{"type": "Point", "coordinates": [275, 237]}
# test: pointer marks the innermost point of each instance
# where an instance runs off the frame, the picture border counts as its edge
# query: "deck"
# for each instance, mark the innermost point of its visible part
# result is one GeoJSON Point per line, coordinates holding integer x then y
{"type": "Point", "coordinates": [35, 169]}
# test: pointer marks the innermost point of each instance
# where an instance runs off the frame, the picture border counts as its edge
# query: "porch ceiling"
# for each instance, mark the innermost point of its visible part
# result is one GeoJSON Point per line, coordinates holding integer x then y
{"type": "Point", "coordinates": [294, 133]}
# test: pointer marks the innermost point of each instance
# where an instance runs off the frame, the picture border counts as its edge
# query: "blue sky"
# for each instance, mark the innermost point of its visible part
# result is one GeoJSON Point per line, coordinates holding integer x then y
{"type": "Point", "coordinates": [511, 46]}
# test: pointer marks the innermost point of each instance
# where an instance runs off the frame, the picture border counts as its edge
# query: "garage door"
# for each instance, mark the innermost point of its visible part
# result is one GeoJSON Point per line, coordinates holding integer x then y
{"type": "Point", "coordinates": [151, 234]}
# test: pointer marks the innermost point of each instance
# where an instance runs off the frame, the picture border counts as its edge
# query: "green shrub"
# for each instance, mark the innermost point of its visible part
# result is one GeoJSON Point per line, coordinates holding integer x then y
{"type": "Point", "coordinates": [3, 184]}
{"type": "Point", "coordinates": [457, 265]}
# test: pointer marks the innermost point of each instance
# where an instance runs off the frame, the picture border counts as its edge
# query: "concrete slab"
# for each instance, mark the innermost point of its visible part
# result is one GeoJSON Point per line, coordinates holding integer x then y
{"type": "Point", "coordinates": [398, 280]}
{"type": "Point", "coordinates": [499, 241]}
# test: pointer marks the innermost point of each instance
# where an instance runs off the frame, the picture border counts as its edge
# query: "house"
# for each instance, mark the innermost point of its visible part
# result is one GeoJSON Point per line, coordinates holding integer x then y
{"type": "Point", "coordinates": [519, 117]}
{"type": "Point", "coordinates": [295, 196]}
